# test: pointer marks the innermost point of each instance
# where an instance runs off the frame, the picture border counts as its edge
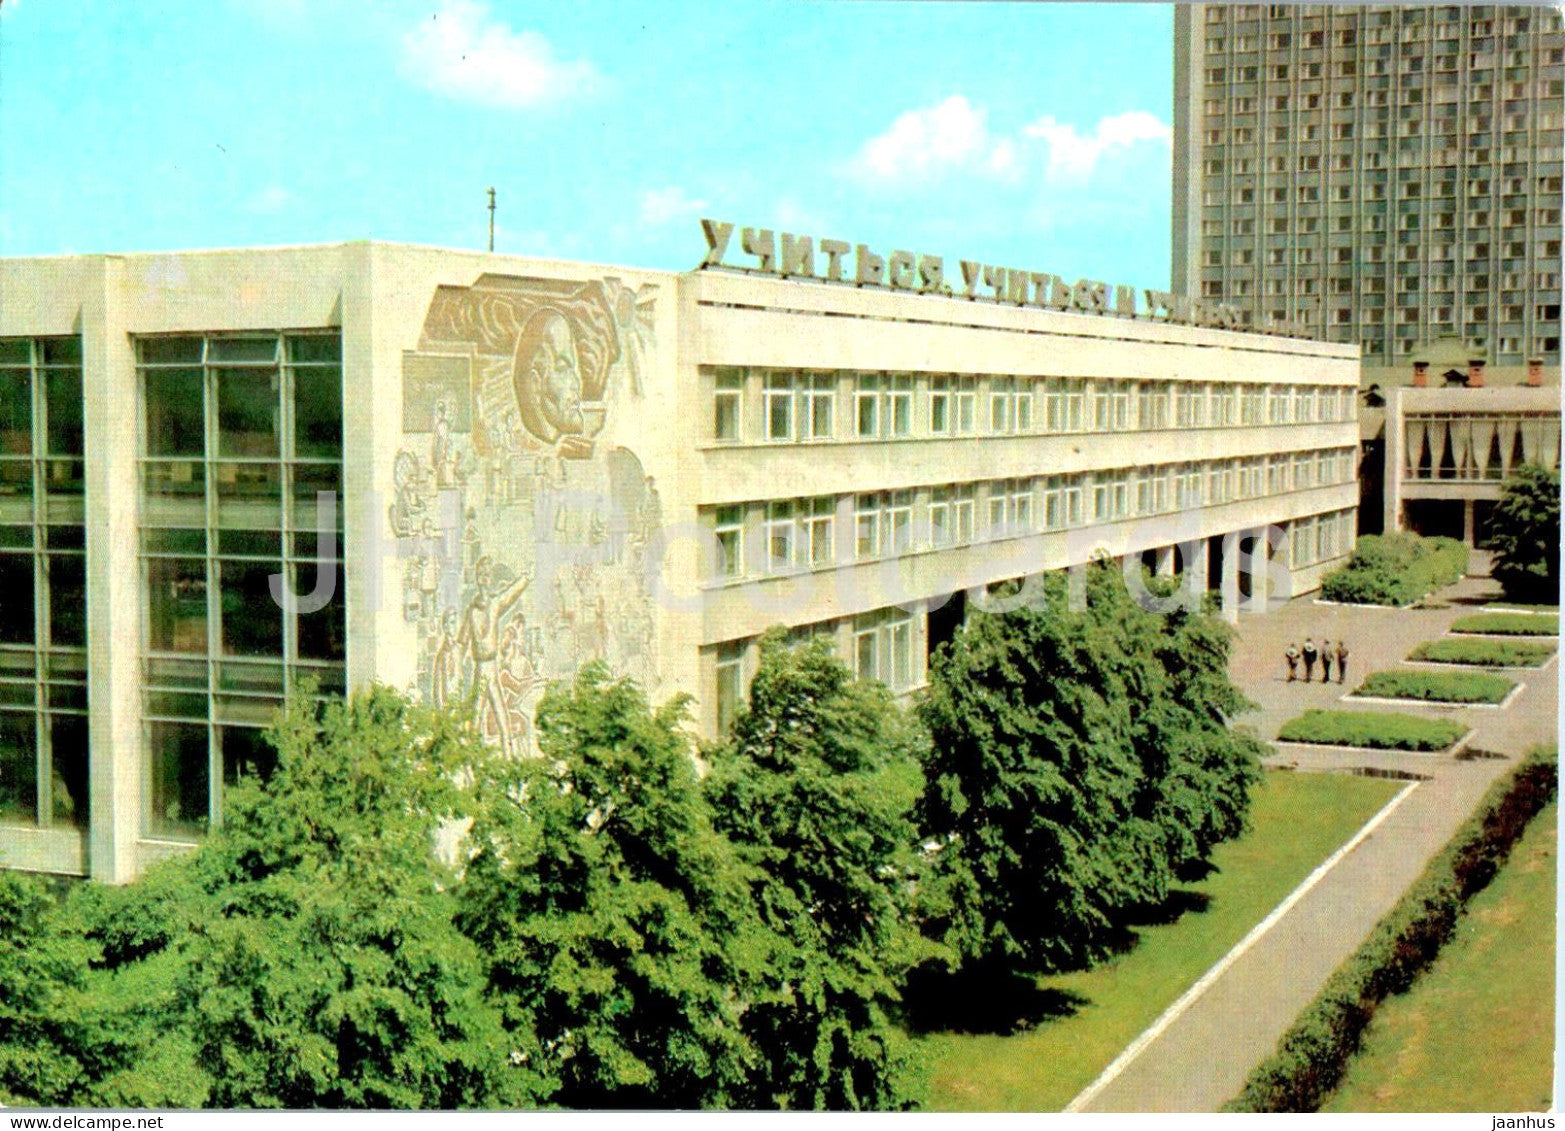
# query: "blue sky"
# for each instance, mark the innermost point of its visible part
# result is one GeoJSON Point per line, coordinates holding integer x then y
{"type": "Point", "coordinates": [1030, 135]}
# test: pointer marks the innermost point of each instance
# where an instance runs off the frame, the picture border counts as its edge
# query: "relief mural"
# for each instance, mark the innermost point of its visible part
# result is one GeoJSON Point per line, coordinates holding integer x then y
{"type": "Point", "coordinates": [526, 536]}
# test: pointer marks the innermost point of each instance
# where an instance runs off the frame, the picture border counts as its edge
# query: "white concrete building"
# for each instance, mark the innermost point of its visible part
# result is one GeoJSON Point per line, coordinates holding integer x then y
{"type": "Point", "coordinates": [539, 463]}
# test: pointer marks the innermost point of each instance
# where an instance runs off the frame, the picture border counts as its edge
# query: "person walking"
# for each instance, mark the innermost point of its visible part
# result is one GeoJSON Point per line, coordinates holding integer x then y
{"type": "Point", "coordinates": [1342, 661]}
{"type": "Point", "coordinates": [1310, 652]}
{"type": "Point", "coordinates": [1325, 661]}
{"type": "Point", "coordinates": [1292, 656]}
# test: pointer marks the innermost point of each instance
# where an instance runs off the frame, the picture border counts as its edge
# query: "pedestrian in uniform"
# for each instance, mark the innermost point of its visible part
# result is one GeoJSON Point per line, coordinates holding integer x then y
{"type": "Point", "coordinates": [1342, 661]}
{"type": "Point", "coordinates": [1310, 653]}
{"type": "Point", "coordinates": [1325, 661]}
{"type": "Point", "coordinates": [1292, 656]}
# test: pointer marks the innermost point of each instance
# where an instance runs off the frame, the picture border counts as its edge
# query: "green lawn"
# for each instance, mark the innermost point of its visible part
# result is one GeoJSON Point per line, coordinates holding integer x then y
{"type": "Point", "coordinates": [1508, 624]}
{"type": "Point", "coordinates": [1478, 651]}
{"type": "Point", "coordinates": [1436, 687]}
{"type": "Point", "coordinates": [1297, 821]}
{"type": "Point", "coordinates": [1375, 730]}
{"type": "Point", "coordinates": [1476, 1032]}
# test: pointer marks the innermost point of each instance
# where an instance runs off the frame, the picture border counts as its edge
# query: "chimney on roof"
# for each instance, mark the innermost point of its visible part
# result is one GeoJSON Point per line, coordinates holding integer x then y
{"type": "Point", "coordinates": [1420, 374]}
{"type": "Point", "coordinates": [1475, 373]}
{"type": "Point", "coordinates": [1535, 372]}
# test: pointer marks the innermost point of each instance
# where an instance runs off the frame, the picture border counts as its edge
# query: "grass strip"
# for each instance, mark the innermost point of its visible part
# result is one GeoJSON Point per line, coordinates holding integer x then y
{"type": "Point", "coordinates": [1436, 687]}
{"type": "Point", "coordinates": [1313, 1055]}
{"type": "Point", "coordinates": [1373, 730]}
{"type": "Point", "coordinates": [1476, 1033]}
{"type": "Point", "coordinates": [1508, 624]}
{"type": "Point", "coordinates": [1484, 653]}
{"type": "Point", "coordinates": [1297, 820]}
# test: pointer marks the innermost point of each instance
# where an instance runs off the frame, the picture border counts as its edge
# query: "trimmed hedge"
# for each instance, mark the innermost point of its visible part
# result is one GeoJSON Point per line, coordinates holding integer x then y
{"type": "Point", "coordinates": [1437, 687]}
{"type": "Point", "coordinates": [1484, 653]}
{"type": "Point", "coordinates": [1396, 569]}
{"type": "Point", "coordinates": [1376, 730]}
{"type": "Point", "coordinates": [1313, 1055]}
{"type": "Point", "coordinates": [1508, 624]}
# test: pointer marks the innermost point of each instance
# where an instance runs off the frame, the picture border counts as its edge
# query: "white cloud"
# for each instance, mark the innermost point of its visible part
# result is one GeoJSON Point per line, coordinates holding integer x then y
{"type": "Point", "coordinates": [955, 134]}
{"type": "Point", "coordinates": [792, 216]}
{"type": "Point", "coordinates": [273, 198]}
{"type": "Point", "coordinates": [464, 52]}
{"type": "Point", "coordinates": [660, 206]}
{"type": "Point", "coordinates": [922, 141]}
{"type": "Point", "coordinates": [1075, 156]}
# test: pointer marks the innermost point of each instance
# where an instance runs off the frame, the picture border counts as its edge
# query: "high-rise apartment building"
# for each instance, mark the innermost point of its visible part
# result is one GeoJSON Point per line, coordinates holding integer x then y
{"type": "Point", "coordinates": [1385, 175]}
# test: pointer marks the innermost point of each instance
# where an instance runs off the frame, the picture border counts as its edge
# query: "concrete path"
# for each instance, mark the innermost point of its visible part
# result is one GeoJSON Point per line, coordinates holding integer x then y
{"type": "Point", "coordinates": [1202, 1057]}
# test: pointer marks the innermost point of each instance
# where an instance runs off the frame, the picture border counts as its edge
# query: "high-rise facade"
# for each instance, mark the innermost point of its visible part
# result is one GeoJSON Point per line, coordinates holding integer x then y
{"type": "Point", "coordinates": [1386, 175]}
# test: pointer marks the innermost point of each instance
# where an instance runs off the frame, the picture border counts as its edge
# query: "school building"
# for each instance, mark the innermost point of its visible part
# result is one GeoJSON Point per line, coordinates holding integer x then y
{"type": "Point", "coordinates": [226, 473]}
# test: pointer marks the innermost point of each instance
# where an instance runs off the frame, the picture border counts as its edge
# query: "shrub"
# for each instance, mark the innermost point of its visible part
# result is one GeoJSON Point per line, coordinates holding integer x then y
{"type": "Point", "coordinates": [1396, 569]}
{"type": "Point", "coordinates": [1484, 653]}
{"type": "Point", "coordinates": [1373, 729]}
{"type": "Point", "coordinates": [1509, 624]}
{"type": "Point", "coordinates": [1313, 1055]}
{"type": "Point", "coordinates": [1437, 687]}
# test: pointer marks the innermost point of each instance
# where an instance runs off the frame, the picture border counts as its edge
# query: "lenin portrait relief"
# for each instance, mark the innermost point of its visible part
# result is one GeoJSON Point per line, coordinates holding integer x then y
{"type": "Point", "coordinates": [525, 532]}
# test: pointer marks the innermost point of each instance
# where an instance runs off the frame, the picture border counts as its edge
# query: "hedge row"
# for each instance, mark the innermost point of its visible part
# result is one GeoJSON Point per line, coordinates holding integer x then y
{"type": "Point", "coordinates": [1509, 624]}
{"type": "Point", "coordinates": [1437, 687]}
{"type": "Point", "coordinates": [1377, 730]}
{"type": "Point", "coordinates": [1484, 653]}
{"type": "Point", "coordinates": [1396, 569]}
{"type": "Point", "coordinates": [1313, 1055]}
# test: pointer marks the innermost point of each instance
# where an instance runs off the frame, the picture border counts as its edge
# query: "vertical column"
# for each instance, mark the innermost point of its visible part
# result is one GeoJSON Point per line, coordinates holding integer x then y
{"type": "Point", "coordinates": [1468, 524]}
{"type": "Point", "coordinates": [1229, 582]}
{"type": "Point", "coordinates": [114, 598]}
{"type": "Point", "coordinates": [371, 428]}
{"type": "Point", "coordinates": [1391, 469]}
{"type": "Point", "coordinates": [1258, 564]}
{"type": "Point", "coordinates": [1165, 561]}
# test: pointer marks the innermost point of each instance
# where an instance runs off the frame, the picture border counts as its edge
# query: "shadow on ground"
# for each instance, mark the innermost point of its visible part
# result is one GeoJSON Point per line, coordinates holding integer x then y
{"type": "Point", "coordinates": [987, 999]}
{"type": "Point", "coordinates": [995, 999]}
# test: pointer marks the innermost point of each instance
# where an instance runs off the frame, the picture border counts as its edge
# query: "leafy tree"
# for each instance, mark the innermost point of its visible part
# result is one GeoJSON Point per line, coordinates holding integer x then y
{"type": "Point", "coordinates": [1078, 760]}
{"type": "Point", "coordinates": [816, 787]}
{"type": "Point", "coordinates": [328, 971]}
{"type": "Point", "coordinates": [1525, 535]}
{"type": "Point", "coordinates": [304, 956]}
{"type": "Point", "coordinates": [616, 920]}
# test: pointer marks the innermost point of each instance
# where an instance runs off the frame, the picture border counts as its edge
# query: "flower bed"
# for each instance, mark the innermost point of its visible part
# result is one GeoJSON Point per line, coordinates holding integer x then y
{"type": "Point", "coordinates": [1374, 730]}
{"type": "Point", "coordinates": [1484, 653]}
{"type": "Point", "coordinates": [1436, 687]}
{"type": "Point", "coordinates": [1509, 624]}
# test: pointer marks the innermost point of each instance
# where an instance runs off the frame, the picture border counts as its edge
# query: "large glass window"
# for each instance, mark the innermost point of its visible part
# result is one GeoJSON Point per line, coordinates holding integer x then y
{"type": "Point", "coordinates": [241, 435]}
{"type": "Point", "coordinates": [43, 584]}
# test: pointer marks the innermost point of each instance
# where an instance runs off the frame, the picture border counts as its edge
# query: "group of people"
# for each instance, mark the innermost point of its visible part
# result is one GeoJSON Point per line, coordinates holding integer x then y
{"type": "Point", "coordinates": [1325, 652]}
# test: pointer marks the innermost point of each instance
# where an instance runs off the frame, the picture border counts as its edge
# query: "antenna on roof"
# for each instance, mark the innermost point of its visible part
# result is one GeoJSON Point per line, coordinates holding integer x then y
{"type": "Point", "coordinates": [491, 218]}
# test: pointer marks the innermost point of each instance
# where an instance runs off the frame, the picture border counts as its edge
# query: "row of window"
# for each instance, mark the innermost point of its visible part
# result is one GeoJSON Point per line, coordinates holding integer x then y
{"type": "Point", "coordinates": [882, 648]}
{"type": "Point", "coordinates": [239, 436]}
{"type": "Point", "coordinates": [882, 645]}
{"type": "Point", "coordinates": [1320, 538]}
{"type": "Point", "coordinates": [784, 536]}
{"type": "Point", "coordinates": [798, 406]}
{"type": "Point", "coordinates": [43, 579]}
{"type": "Point", "coordinates": [1444, 162]}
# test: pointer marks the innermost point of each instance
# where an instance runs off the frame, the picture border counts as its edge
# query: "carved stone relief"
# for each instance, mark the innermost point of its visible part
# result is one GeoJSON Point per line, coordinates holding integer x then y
{"type": "Point", "coordinates": [525, 534]}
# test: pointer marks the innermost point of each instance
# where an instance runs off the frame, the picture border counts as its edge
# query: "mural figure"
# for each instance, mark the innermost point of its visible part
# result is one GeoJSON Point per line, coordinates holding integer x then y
{"type": "Point", "coordinates": [527, 534]}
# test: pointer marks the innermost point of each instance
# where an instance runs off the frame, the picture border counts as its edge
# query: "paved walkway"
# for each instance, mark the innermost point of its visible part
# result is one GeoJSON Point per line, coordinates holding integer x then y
{"type": "Point", "coordinates": [1201, 1060]}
